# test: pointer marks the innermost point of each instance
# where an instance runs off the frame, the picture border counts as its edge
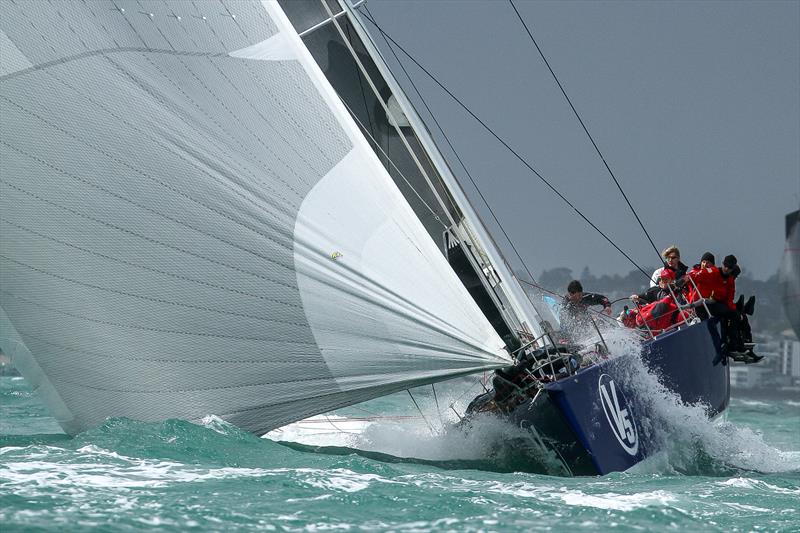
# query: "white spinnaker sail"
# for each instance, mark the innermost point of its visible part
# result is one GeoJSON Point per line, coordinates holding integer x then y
{"type": "Point", "coordinates": [192, 224]}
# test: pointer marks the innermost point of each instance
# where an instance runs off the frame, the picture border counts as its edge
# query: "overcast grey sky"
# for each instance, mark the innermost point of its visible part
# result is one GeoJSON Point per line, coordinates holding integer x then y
{"type": "Point", "coordinates": [695, 105]}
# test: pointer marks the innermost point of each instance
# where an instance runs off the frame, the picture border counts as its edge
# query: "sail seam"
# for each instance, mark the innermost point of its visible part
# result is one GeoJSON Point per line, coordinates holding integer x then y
{"type": "Point", "coordinates": [150, 269]}
{"type": "Point", "coordinates": [457, 372]}
{"type": "Point", "coordinates": [171, 219]}
{"type": "Point", "coordinates": [202, 389]}
{"type": "Point", "coordinates": [144, 237]}
{"type": "Point", "coordinates": [145, 328]}
{"type": "Point", "coordinates": [149, 136]}
{"type": "Point", "coordinates": [249, 385]}
{"type": "Point", "coordinates": [106, 51]}
{"type": "Point", "coordinates": [223, 129]}
{"type": "Point", "coordinates": [90, 353]}
{"type": "Point", "coordinates": [231, 113]}
{"type": "Point", "coordinates": [148, 298]}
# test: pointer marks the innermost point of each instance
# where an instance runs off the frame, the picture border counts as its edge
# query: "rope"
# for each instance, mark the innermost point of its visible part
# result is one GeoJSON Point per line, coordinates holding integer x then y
{"type": "Point", "coordinates": [507, 146]}
{"type": "Point", "coordinates": [385, 107]}
{"type": "Point", "coordinates": [420, 411]}
{"type": "Point", "coordinates": [378, 146]}
{"type": "Point", "coordinates": [585, 129]}
{"type": "Point", "coordinates": [436, 399]}
{"type": "Point", "coordinates": [363, 92]}
{"type": "Point", "coordinates": [455, 153]}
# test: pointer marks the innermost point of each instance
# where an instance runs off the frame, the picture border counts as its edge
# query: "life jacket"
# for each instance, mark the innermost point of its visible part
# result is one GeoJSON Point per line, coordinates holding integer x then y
{"type": "Point", "coordinates": [658, 315]}
{"type": "Point", "coordinates": [709, 282]}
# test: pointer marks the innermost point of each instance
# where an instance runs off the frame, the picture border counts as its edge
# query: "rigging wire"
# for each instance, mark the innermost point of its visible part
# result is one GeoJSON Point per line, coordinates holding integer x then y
{"type": "Point", "coordinates": [399, 172]}
{"type": "Point", "coordinates": [384, 105]}
{"type": "Point", "coordinates": [420, 411]}
{"type": "Point", "coordinates": [455, 153]}
{"type": "Point", "coordinates": [506, 145]}
{"type": "Point", "coordinates": [361, 85]}
{"type": "Point", "coordinates": [436, 399]}
{"type": "Point", "coordinates": [585, 129]}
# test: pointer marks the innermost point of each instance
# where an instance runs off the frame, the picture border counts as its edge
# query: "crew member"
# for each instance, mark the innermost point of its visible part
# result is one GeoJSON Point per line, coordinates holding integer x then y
{"type": "Point", "coordinates": [730, 271]}
{"type": "Point", "coordinates": [574, 315]}
{"type": "Point", "coordinates": [665, 277]}
{"type": "Point", "coordinates": [672, 261]}
{"type": "Point", "coordinates": [710, 293]}
{"type": "Point", "coordinates": [659, 315]}
{"type": "Point", "coordinates": [705, 281]}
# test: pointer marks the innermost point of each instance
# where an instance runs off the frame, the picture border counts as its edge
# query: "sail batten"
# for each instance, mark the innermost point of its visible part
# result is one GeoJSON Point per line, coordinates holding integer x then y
{"type": "Point", "coordinates": [193, 224]}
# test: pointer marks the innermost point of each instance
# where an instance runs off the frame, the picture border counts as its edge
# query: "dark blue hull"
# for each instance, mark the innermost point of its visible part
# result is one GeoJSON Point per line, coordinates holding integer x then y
{"type": "Point", "coordinates": [599, 420]}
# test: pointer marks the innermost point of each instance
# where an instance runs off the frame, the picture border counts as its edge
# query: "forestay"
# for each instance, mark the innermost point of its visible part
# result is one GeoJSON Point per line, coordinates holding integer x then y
{"type": "Point", "coordinates": [192, 224]}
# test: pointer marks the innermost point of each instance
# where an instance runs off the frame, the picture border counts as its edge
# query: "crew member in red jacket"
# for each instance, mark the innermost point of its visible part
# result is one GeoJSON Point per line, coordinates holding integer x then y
{"type": "Point", "coordinates": [729, 271]}
{"type": "Point", "coordinates": [659, 315]}
{"type": "Point", "coordinates": [707, 279]}
{"type": "Point", "coordinates": [712, 288]}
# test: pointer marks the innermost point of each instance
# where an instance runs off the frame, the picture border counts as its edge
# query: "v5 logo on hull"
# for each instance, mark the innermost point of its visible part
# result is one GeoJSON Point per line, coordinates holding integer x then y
{"type": "Point", "coordinates": [618, 414]}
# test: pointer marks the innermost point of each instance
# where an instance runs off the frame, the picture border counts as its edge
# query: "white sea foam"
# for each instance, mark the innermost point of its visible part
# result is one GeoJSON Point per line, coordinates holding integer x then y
{"type": "Point", "coordinates": [341, 480]}
{"type": "Point", "coordinates": [757, 484]}
{"type": "Point", "coordinates": [680, 428]}
{"type": "Point", "coordinates": [322, 430]}
{"type": "Point", "coordinates": [430, 438]}
{"type": "Point", "coordinates": [753, 403]}
{"type": "Point", "coordinates": [137, 474]}
{"type": "Point", "coordinates": [41, 467]}
{"type": "Point", "coordinates": [28, 475]}
{"type": "Point", "coordinates": [618, 502]}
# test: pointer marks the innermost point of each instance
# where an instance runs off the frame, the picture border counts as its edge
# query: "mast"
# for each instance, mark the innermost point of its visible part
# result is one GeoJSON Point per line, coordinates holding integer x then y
{"type": "Point", "coordinates": [471, 229]}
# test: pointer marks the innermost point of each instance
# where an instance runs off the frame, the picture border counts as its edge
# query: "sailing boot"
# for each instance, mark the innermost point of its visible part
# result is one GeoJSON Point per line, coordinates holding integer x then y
{"type": "Point", "coordinates": [750, 306]}
{"type": "Point", "coordinates": [752, 357]}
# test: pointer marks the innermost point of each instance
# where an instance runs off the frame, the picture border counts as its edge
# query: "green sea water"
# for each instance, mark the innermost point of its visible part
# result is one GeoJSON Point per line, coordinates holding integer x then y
{"type": "Point", "coordinates": [739, 475]}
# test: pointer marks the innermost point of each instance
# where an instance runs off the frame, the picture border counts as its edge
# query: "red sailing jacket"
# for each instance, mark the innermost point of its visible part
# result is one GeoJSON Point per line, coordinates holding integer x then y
{"type": "Point", "coordinates": [658, 315]}
{"type": "Point", "coordinates": [729, 285]}
{"type": "Point", "coordinates": [709, 282]}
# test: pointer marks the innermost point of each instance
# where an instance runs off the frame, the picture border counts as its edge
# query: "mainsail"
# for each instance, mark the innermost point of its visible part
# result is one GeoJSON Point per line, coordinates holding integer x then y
{"type": "Point", "coordinates": [193, 224]}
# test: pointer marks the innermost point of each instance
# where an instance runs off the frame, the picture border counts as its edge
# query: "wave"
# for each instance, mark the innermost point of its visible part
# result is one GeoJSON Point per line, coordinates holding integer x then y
{"type": "Point", "coordinates": [490, 444]}
{"type": "Point", "coordinates": [690, 443]}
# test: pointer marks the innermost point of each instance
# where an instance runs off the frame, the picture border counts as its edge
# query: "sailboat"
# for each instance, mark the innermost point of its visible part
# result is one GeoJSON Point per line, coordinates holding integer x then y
{"type": "Point", "coordinates": [232, 208]}
{"type": "Point", "coordinates": [790, 271]}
